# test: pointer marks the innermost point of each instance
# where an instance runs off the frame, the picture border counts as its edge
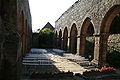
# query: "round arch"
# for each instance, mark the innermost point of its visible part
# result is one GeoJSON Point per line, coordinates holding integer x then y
{"type": "Point", "coordinates": [73, 39]}
{"type": "Point", "coordinates": [65, 38]}
{"type": "Point", "coordinates": [87, 39]}
{"type": "Point", "coordinates": [105, 31]}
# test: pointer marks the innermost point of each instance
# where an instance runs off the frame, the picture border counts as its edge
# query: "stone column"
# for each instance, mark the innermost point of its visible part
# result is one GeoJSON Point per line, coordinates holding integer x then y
{"type": "Point", "coordinates": [78, 45]}
{"type": "Point", "coordinates": [100, 49]}
{"type": "Point", "coordinates": [103, 48]}
{"type": "Point", "coordinates": [96, 50]}
{"type": "Point", "coordinates": [68, 43]}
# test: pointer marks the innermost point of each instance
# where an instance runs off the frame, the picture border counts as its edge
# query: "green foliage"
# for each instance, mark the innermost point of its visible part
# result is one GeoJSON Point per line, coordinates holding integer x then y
{"type": "Point", "coordinates": [46, 38]}
{"type": "Point", "coordinates": [113, 58]}
{"type": "Point", "coordinates": [46, 31]}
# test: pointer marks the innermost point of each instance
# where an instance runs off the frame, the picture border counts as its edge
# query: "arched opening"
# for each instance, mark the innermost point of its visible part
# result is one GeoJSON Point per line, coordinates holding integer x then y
{"type": "Point", "coordinates": [65, 39]}
{"type": "Point", "coordinates": [73, 39]}
{"type": "Point", "coordinates": [87, 39]}
{"type": "Point", "coordinates": [60, 39]}
{"type": "Point", "coordinates": [110, 39]}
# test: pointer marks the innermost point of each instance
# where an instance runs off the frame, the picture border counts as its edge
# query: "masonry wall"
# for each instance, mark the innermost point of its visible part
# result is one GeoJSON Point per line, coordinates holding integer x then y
{"type": "Point", "coordinates": [98, 12]}
{"type": "Point", "coordinates": [114, 43]}
{"type": "Point", "coordinates": [78, 12]}
{"type": "Point", "coordinates": [13, 45]}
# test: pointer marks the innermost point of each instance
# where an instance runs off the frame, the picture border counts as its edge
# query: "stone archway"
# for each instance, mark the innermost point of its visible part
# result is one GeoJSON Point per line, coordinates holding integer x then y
{"type": "Point", "coordinates": [73, 39]}
{"type": "Point", "coordinates": [107, 30]}
{"type": "Point", "coordinates": [87, 39]}
{"type": "Point", "coordinates": [65, 38]}
{"type": "Point", "coordinates": [60, 39]}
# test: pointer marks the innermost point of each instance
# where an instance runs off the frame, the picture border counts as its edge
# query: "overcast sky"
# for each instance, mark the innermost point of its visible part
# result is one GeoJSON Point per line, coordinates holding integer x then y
{"type": "Point", "coordinates": [44, 11]}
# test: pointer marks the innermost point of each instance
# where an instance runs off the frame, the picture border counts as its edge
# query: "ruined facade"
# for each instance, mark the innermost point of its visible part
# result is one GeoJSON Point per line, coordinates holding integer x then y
{"type": "Point", "coordinates": [15, 36]}
{"type": "Point", "coordinates": [87, 28]}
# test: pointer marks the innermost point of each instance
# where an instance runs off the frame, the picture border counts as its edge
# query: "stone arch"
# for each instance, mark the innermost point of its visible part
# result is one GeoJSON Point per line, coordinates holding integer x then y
{"type": "Point", "coordinates": [109, 17]}
{"type": "Point", "coordinates": [65, 38]}
{"type": "Point", "coordinates": [60, 39]}
{"type": "Point", "coordinates": [73, 39]}
{"type": "Point", "coordinates": [87, 38]}
{"type": "Point", "coordinates": [105, 31]}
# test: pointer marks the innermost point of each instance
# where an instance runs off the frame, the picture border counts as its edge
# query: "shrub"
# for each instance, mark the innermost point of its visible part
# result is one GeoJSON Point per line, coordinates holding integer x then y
{"type": "Point", "coordinates": [113, 58]}
{"type": "Point", "coordinates": [46, 38]}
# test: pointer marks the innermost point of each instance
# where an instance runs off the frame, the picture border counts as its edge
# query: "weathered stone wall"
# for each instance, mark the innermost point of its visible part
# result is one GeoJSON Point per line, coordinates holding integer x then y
{"type": "Point", "coordinates": [78, 12]}
{"type": "Point", "coordinates": [35, 40]}
{"type": "Point", "coordinates": [100, 13]}
{"type": "Point", "coordinates": [12, 42]}
{"type": "Point", "coordinates": [24, 24]}
{"type": "Point", "coordinates": [114, 43]}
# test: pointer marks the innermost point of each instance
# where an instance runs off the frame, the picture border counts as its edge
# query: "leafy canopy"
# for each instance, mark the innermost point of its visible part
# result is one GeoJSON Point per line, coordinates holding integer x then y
{"type": "Point", "coordinates": [46, 31]}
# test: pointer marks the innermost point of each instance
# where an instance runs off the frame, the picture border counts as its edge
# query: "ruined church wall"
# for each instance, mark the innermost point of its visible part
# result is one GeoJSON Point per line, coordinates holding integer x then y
{"type": "Point", "coordinates": [78, 12]}
{"type": "Point", "coordinates": [10, 37]}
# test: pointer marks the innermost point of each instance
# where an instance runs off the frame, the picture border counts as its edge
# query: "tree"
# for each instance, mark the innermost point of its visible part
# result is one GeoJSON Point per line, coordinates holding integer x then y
{"type": "Point", "coordinates": [46, 38]}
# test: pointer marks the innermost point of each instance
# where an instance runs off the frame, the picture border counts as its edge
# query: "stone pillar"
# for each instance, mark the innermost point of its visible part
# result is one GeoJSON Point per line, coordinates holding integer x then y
{"type": "Point", "coordinates": [68, 44]}
{"type": "Point", "coordinates": [96, 50]}
{"type": "Point", "coordinates": [100, 49]}
{"type": "Point", "coordinates": [103, 48]}
{"type": "Point", "coordinates": [78, 45]}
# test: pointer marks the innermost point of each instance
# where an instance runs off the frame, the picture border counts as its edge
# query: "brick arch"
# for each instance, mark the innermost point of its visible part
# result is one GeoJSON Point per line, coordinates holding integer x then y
{"type": "Point", "coordinates": [73, 39]}
{"type": "Point", "coordinates": [87, 38]}
{"type": "Point", "coordinates": [60, 39]}
{"type": "Point", "coordinates": [65, 38]}
{"type": "Point", "coordinates": [105, 31]}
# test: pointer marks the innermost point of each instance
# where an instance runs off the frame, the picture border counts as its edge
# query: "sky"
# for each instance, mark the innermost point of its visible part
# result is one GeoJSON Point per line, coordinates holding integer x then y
{"type": "Point", "coordinates": [44, 11]}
